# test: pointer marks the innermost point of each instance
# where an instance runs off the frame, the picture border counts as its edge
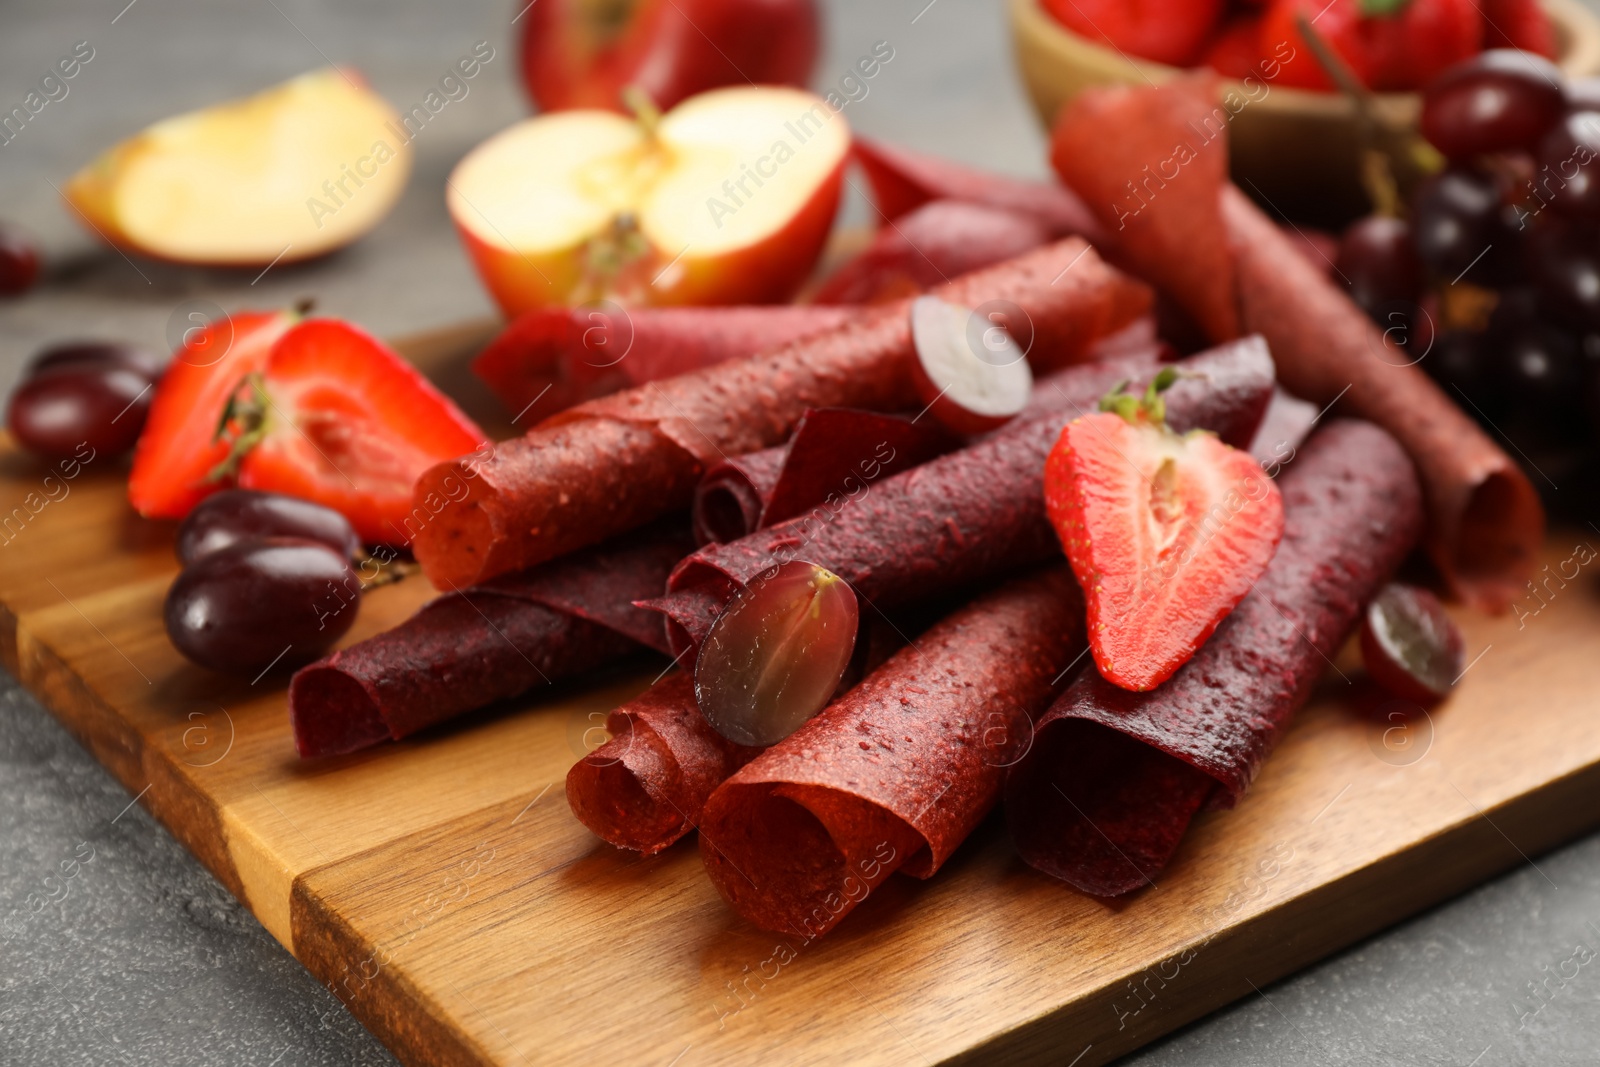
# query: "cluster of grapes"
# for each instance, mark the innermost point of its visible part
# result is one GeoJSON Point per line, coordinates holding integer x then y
{"type": "Point", "coordinates": [1493, 282]}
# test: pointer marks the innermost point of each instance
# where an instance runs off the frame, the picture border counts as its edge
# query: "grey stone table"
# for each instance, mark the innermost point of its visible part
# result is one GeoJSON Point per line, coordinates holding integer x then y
{"type": "Point", "coordinates": [147, 960]}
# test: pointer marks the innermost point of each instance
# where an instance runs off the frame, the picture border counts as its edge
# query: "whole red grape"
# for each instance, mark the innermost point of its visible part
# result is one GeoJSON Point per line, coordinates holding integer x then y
{"type": "Point", "coordinates": [1497, 101]}
{"type": "Point", "coordinates": [19, 260]}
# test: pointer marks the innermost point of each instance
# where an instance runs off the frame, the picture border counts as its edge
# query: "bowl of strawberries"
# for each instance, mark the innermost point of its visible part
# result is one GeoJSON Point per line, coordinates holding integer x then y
{"type": "Point", "coordinates": [1305, 77]}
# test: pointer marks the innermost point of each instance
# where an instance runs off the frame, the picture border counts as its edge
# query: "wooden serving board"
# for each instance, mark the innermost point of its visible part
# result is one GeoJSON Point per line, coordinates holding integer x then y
{"type": "Point", "coordinates": [444, 891]}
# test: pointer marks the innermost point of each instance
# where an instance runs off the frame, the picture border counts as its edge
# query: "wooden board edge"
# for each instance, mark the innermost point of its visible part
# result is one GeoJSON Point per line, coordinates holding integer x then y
{"type": "Point", "coordinates": [1240, 960]}
{"type": "Point", "coordinates": [187, 813]}
{"type": "Point", "coordinates": [381, 997]}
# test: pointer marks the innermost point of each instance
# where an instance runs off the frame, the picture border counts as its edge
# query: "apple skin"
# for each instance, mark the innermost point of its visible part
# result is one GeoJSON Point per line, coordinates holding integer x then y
{"type": "Point", "coordinates": [582, 53]}
{"type": "Point", "coordinates": [769, 272]}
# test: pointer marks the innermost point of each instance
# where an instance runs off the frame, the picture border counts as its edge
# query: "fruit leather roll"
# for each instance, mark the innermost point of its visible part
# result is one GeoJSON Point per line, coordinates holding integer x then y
{"type": "Point", "coordinates": [903, 180]}
{"type": "Point", "coordinates": [833, 452]}
{"type": "Point", "coordinates": [1114, 777]}
{"type": "Point", "coordinates": [553, 358]}
{"type": "Point", "coordinates": [1153, 162]}
{"type": "Point", "coordinates": [966, 516]}
{"type": "Point", "coordinates": [929, 245]}
{"type": "Point", "coordinates": [645, 787]}
{"type": "Point", "coordinates": [896, 773]}
{"type": "Point", "coordinates": [614, 463]}
{"type": "Point", "coordinates": [475, 646]}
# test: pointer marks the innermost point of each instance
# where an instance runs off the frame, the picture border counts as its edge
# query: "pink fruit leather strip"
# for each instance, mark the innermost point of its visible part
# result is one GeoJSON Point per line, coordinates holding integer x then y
{"type": "Point", "coordinates": [834, 452]}
{"type": "Point", "coordinates": [896, 773]}
{"type": "Point", "coordinates": [549, 359]}
{"type": "Point", "coordinates": [471, 648]}
{"type": "Point", "coordinates": [645, 787]}
{"type": "Point", "coordinates": [903, 180]}
{"type": "Point", "coordinates": [929, 245]}
{"type": "Point", "coordinates": [967, 516]}
{"type": "Point", "coordinates": [614, 463]}
{"type": "Point", "coordinates": [1114, 777]}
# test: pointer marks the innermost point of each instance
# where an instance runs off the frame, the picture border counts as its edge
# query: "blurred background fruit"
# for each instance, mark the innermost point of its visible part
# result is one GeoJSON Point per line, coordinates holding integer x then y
{"type": "Point", "coordinates": [583, 53]}
{"type": "Point", "coordinates": [227, 185]}
{"type": "Point", "coordinates": [1294, 143]}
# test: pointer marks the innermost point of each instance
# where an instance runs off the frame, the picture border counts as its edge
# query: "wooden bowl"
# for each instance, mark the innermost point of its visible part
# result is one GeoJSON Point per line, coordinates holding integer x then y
{"type": "Point", "coordinates": [1295, 149]}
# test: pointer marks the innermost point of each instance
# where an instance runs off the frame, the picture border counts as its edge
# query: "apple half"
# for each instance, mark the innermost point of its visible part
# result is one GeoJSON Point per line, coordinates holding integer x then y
{"type": "Point", "coordinates": [295, 171]}
{"type": "Point", "coordinates": [726, 199]}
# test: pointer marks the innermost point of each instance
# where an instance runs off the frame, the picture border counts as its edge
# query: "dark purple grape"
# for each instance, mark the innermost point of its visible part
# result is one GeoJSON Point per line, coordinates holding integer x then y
{"type": "Point", "coordinates": [1564, 262]}
{"type": "Point", "coordinates": [775, 655]}
{"type": "Point", "coordinates": [95, 354]}
{"type": "Point", "coordinates": [1498, 101]}
{"type": "Point", "coordinates": [19, 260]}
{"type": "Point", "coordinates": [1568, 175]}
{"type": "Point", "coordinates": [1379, 263]}
{"type": "Point", "coordinates": [278, 601]}
{"type": "Point", "coordinates": [1462, 362]}
{"type": "Point", "coordinates": [235, 515]}
{"type": "Point", "coordinates": [1460, 220]}
{"type": "Point", "coordinates": [1410, 646]}
{"type": "Point", "coordinates": [51, 414]}
{"type": "Point", "coordinates": [1543, 372]}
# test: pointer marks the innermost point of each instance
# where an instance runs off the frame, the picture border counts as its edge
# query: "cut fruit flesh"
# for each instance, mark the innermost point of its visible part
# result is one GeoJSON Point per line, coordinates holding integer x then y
{"type": "Point", "coordinates": [552, 182]}
{"type": "Point", "coordinates": [293, 172]}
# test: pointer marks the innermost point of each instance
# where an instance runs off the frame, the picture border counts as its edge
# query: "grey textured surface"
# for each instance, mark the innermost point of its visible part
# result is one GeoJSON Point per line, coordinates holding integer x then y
{"type": "Point", "coordinates": [137, 956]}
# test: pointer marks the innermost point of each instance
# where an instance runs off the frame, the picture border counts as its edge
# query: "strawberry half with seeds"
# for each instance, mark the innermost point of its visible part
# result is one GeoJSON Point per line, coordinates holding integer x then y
{"type": "Point", "coordinates": [338, 418]}
{"type": "Point", "coordinates": [177, 449]}
{"type": "Point", "coordinates": [1165, 532]}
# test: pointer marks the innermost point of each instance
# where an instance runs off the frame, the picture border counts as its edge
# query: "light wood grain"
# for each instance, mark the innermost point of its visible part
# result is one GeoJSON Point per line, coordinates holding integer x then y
{"type": "Point", "coordinates": [444, 890]}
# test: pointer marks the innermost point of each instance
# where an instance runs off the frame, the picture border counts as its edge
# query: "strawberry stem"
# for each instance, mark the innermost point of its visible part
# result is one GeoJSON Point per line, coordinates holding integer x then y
{"type": "Point", "coordinates": [1149, 408]}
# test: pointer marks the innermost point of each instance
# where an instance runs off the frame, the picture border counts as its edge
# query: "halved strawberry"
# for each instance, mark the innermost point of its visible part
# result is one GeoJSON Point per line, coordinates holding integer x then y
{"type": "Point", "coordinates": [338, 418]}
{"type": "Point", "coordinates": [178, 448]}
{"type": "Point", "coordinates": [1166, 533]}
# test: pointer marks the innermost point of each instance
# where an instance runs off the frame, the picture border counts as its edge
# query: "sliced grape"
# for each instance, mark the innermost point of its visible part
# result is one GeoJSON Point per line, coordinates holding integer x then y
{"type": "Point", "coordinates": [256, 604]}
{"type": "Point", "coordinates": [1410, 646]}
{"type": "Point", "coordinates": [235, 515]}
{"type": "Point", "coordinates": [971, 374]}
{"type": "Point", "coordinates": [775, 656]}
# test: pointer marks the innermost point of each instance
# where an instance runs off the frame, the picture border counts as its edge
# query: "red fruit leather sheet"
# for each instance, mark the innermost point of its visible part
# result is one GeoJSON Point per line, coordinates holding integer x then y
{"type": "Point", "coordinates": [834, 452]}
{"type": "Point", "coordinates": [1114, 777]}
{"type": "Point", "coordinates": [903, 180]}
{"type": "Point", "coordinates": [895, 774]}
{"type": "Point", "coordinates": [969, 515]}
{"type": "Point", "coordinates": [614, 463]}
{"type": "Point", "coordinates": [1208, 247]}
{"type": "Point", "coordinates": [928, 245]}
{"type": "Point", "coordinates": [552, 358]}
{"type": "Point", "coordinates": [1150, 164]}
{"type": "Point", "coordinates": [471, 648]}
{"type": "Point", "coordinates": [645, 787]}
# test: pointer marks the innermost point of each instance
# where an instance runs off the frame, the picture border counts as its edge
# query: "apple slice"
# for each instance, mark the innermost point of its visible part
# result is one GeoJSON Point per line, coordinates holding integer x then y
{"type": "Point", "coordinates": [293, 172]}
{"type": "Point", "coordinates": [969, 372]}
{"type": "Point", "coordinates": [726, 199]}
